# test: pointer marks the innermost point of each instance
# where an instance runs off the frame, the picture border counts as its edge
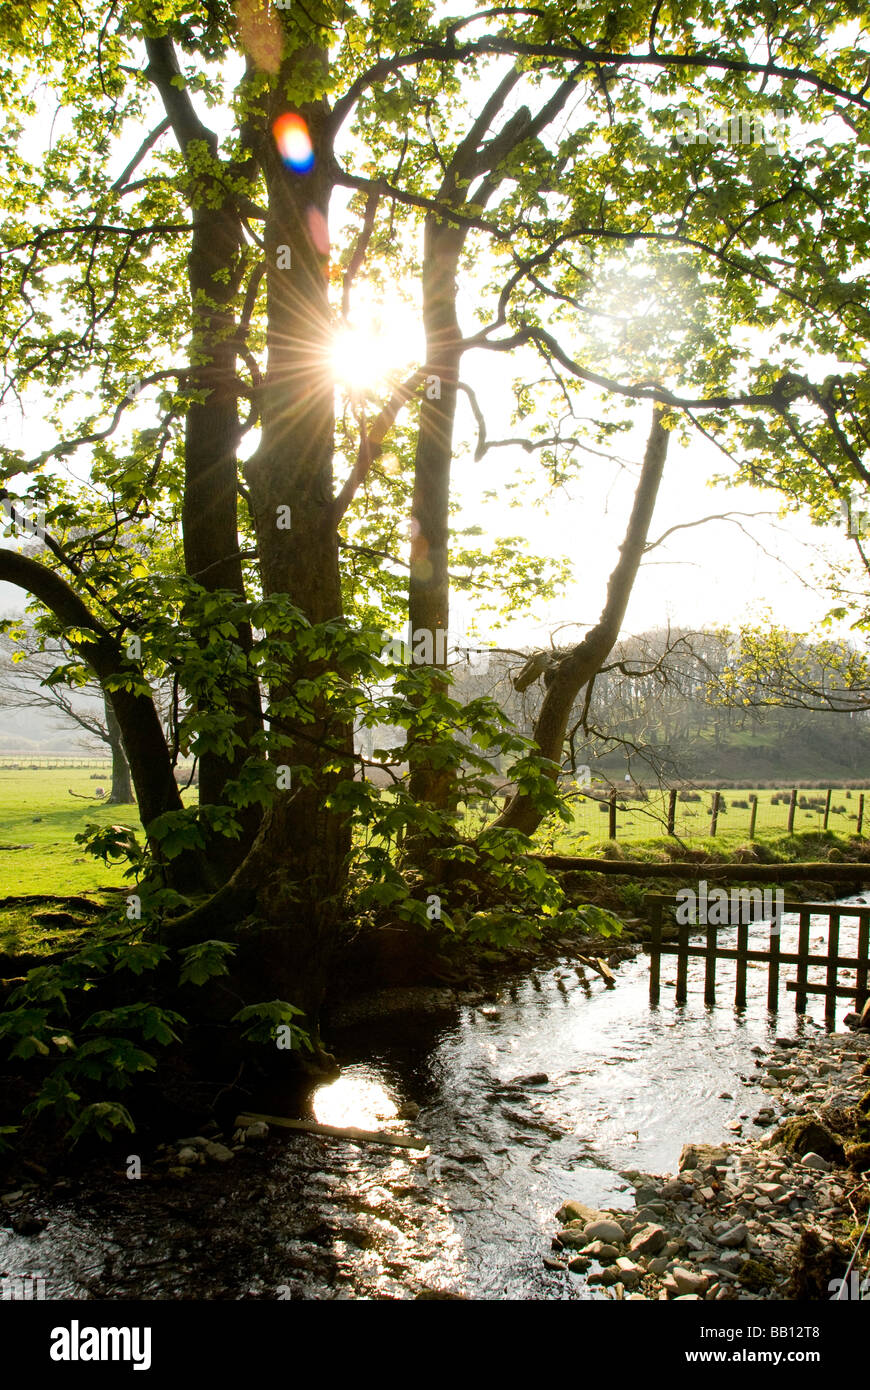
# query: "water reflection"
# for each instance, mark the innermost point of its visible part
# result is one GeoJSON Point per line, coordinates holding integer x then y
{"type": "Point", "coordinates": [358, 1099]}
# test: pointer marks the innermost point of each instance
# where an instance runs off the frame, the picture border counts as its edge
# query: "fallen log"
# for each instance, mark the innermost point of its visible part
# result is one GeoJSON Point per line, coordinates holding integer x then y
{"type": "Point", "coordinates": [365, 1136]}
{"type": "Point", "coordinates": [604, 970]}
{"type": "Point", "coordinates": [754, 872]}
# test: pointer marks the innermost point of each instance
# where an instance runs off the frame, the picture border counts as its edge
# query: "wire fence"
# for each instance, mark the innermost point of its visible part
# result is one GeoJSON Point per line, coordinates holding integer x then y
{"type": "Point", "coordinates": [605, 814]}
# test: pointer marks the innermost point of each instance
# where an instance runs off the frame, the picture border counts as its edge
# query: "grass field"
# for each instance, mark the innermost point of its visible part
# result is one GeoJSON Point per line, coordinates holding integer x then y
{"type": "Point", "coordinates": [39, 820]}
{"type": "Point", "coordinates": [644, 820]}
{"type": "Point", "coordinates": [38, 814]}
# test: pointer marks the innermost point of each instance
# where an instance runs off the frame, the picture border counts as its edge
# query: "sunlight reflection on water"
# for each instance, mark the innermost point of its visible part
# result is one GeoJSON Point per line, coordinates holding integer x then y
{"type": "Point", "coordinates": [359, 1101]}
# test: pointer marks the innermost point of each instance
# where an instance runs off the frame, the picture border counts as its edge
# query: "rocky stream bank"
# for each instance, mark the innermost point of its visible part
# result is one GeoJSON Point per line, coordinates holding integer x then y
{"type": "Point", "coordinates": [777, 1215]}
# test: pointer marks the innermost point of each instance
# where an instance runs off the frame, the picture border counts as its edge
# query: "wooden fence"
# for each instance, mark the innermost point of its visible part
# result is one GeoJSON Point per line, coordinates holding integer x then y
{"type": "Point", "coordinates": [774, 957]}
{"type": "Point", "coordinates": [667, 818]}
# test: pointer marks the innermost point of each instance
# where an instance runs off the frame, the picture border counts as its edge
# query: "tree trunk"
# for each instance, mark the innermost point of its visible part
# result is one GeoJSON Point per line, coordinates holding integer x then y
{"type": "Point", "coordinates": [294, 877]}
{"type": "Point", "coordinates": [429, 588]}
{"type": "Point", "coordinates": [137, 717]}
{"type": "Point", "coordinates": [122, 788]}
{"type": "Point", "coordinates": [584, 661]}
{"type": "Point", "coordinates": [212, 432]}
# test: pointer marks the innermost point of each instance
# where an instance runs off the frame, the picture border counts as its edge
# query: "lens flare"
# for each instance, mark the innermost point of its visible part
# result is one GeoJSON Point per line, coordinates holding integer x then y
{"type": "Point", "coordinates": [294, 143]}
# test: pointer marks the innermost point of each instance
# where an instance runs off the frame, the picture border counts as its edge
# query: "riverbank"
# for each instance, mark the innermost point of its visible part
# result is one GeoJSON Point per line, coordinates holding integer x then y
{"type": "Point", "coordinates": [777, 1216]}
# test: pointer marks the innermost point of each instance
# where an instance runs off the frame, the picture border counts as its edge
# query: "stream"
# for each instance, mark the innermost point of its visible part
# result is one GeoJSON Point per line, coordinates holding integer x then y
{"type": "Point", "coordinates": [473, 1214]}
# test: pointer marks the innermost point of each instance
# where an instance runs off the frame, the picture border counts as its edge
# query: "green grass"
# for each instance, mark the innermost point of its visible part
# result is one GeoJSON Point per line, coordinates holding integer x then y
{"type": "Point", "coordinates": [37, 811]}
{"type": "Point", "coordinates": [645, 820]}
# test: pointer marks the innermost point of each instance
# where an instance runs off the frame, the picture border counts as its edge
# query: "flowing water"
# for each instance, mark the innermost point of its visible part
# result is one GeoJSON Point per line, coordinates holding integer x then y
{"type": "Point", "coordinates": [473, 1213]}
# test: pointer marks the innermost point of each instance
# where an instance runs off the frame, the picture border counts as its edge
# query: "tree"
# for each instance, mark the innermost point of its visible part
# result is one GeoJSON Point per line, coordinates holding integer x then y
{"type": "Point", "coordinates": [198, 280]}
{"type": "Point", "coordinates": [29, 686]}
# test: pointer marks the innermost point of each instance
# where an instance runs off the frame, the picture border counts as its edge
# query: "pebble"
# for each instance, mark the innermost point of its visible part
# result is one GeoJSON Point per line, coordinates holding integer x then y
{"type": "Point", "coordinates": [821, 1165]}
{"type": "Point", "coordinates": [691, 1233]}
{"type": "Point", "coordinates": [608, 1231]}
{"type": "Point", "coordinates": [649, 1240]}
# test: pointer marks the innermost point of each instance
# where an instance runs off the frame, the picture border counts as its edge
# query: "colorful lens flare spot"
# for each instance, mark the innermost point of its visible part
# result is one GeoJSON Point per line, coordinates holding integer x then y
{"type": "Point", "coordinates": [294, 143]}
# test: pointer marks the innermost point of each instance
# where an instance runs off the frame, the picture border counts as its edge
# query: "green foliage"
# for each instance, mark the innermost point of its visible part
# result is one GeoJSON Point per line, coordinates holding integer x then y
{"type": "Point", "coordinates": [264, 1020]}
{"type": "Point", "coordinates": [204, 960]}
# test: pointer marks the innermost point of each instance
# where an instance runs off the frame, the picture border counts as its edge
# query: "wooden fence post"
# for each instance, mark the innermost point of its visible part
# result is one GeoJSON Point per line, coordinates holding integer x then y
{"type": "Point", "coordinates": [791, 810]}
{"type": "Point", "coordinates": [682, 962]}
{"type": "Point", "coordinates": [831, 973]}
{"type": "Point", "coordinates": [827, 809]}
{"type": "Point", "coordinates": [715, 816]}
{"type": "Point", "coordinates": [861, 972]}
{"type": "Point", "coordinates": [773, 965]}
{"type": "Point", "coordinates": [800, 998]}
{"type": "Point", "coordinates": [655, 947]}
{"type": "Point", "coordinates": [672, 810]}
{"type": "Point", "coordinates": [612, 818]}
{"type": "Point", "coordinates": [752, 815]}
{"type": "Point", "coordinates": [710, 965]}
{"type": "Point", "coordinates": [742, 948]}
{"type": "Point", "coordinates": [860, 813]}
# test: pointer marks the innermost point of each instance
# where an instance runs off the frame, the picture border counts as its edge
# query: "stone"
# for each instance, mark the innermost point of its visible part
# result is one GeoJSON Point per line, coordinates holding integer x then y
{"type": "Point", "coordinates": [649, 1212]}
{"type": "Point", "coordinates": [688, 1282]}
{"type": "Point", "coordinates": [600, 1251]}
{"type": "Point", "coordinates": [550, 1263]}
{"type": "Point", "coordinates": [577, 1211]}
{"type": "Point", "coordinates": [260, 1130]}
{"type": "Point", "coordinates": [701, 1156]}
{"type": "Point", "coordinates": [534, 1078]}
{"type": "Point", "coordinates": [579, 1264]}
{"type": "Point", "coordinates": [736, 1235]}
{"type": "Point", "coordinates": [219, 1152]}
{"type": "Point", "coordinates": [608, 1276]}
{"type": "Point", "coordinates": [608, 1231]}
{"type": "Point", "coordinates": [732, 1260]}
{"type": "Point", "coordinates": [188, 1155]}
{"type": "Point", "coordinates": [649, 1240]}
{"type": "Point", "coordinates": [812, 1160]}
{"type": "Point", "coordinates": [409, 1111]}
{"type": "Point", "coordinates": [658, 1265]}
{"type": "Point", "coordinates": [773, 1190]}
{"type": "Point", "coordinates": [572, 1235]}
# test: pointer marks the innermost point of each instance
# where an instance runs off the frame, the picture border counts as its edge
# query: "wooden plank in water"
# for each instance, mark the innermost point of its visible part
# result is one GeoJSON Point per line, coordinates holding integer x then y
{"type": "Point", "coordinates": [742, 949]}
{"type": "Point", "coordinates": [833, 952]}
{"type": "Point", "coordinates": [773, 967]}
{"type": "Point", "coordinates": [863, 952]}
{"type": "Point", "coordinates": [682, 963]}
{"type": "Point", "coordinates": [364, 1136]}
{"type": "Point", "coordinates": [846, 991]}
{"type": "Point", "coordinates": [800, 1003]}
{"type": "Point", "coordinates": [710, 965]}
{"type": "Point", "coordinates": [655, 951]}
